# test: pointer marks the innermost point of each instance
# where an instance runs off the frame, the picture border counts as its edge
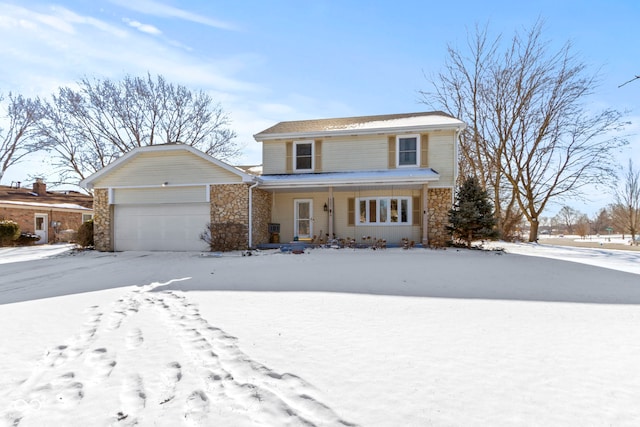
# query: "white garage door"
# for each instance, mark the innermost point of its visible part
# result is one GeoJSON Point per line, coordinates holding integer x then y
{"type": "Point", "coordinates": [160, 227]}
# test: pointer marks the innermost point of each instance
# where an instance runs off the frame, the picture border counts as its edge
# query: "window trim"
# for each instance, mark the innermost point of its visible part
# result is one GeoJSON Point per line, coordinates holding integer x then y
{"type": "Point", "coordinates": [388, 222]}
{"type": "Point", "coordinates": [418, 150]}
{"type": "Point", "coordinates": [294, 157]}
{"type": "Point", "coordinates": [86, 214]}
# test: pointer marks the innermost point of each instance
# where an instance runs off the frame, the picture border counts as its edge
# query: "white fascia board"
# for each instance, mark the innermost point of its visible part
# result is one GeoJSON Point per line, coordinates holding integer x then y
{"type": "Point", "coordinates": [356, 131]}
{"type": "Point", "coordinates": [328, 182]}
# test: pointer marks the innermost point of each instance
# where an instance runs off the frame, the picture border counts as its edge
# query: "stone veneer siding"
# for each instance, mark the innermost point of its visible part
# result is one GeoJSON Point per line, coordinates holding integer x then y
{"type": "Point", "coordinates": [262, 201]}
{"type": "Point", "coordinates": [439, 203]}
{"type": "Point", "coordinates": [102, 220]}
{"type": "Point", "coordinates": [230, 203]}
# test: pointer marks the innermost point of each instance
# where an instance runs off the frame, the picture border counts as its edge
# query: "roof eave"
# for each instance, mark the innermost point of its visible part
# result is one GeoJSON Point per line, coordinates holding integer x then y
{"type": "Point", "coordinates": [266, 184]}
{"type": "Point", "coordinates": [355, 131]}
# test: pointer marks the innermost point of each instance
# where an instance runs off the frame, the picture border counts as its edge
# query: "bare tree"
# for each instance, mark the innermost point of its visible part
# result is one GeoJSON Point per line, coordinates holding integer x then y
{"type": "Point", "coordinates": [89, 127]}
{"type": "Point", "coordinates": [628, 202]}
{"type": "Point", "coordinates": [17, 129]}
{"type": "Point", "coordinates": [568, 217]}
{"type": "Point", "coordinates": [531, 135]}
{"type": "Point", "coordinates": [601, 221]}
{"type": "Point", "coordinates": [583, 226]}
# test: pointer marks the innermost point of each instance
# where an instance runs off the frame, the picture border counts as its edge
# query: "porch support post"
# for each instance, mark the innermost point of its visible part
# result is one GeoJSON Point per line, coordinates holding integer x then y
{"type": "Point", "coordinates": [330, 204]}
{"type": "Point", "coordinates": [425, 215]}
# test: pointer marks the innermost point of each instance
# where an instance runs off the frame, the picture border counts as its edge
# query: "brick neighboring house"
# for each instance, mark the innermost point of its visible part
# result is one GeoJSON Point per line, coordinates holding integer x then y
{"type": "Point", "coordinates": [49, 214]}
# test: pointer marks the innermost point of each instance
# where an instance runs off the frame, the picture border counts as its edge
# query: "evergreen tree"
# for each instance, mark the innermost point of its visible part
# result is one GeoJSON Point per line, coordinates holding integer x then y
{"type": "Point", "coordinates": [472, 216]}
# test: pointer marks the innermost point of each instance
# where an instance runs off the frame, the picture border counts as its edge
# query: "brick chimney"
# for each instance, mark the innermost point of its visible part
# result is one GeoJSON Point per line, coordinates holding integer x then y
{"type": "Point", "coordinates": [39, 187]}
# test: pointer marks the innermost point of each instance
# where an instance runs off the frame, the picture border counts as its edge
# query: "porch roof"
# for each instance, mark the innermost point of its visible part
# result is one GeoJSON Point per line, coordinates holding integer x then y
{"type": "Point", "coordinates": [396, 177]}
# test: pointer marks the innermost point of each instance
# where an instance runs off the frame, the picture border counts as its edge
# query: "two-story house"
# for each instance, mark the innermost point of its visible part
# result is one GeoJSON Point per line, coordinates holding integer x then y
{"type": "Point", "coordinates": [388, 177]}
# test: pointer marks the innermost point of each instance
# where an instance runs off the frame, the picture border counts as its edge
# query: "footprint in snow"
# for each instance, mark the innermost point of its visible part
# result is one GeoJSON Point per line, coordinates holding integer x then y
{"type": "Point", "coordinates": [196, 408]}
{"type": "Point", "coordinates": [100, 360]}
{"type": "Point", "coordinates": [170, 377]}
{"type": "Point", "coordinates": [134, 338]}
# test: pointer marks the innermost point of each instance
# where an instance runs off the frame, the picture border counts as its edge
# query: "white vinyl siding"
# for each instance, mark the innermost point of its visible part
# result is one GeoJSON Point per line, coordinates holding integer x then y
{"type": "Point", "coordinates": [442, 157]}
{"type": "Point", "coordinates": [274, 157]}
{"type": "Point", "coordinates": [188, 194]}
{"type": "Point", "coordinates": [174, 167]}
{"type": "Point", "coordinates": [354, 153]}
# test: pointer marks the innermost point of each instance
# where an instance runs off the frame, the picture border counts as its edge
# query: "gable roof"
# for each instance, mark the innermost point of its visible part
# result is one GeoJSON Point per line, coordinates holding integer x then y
{"type": "Point", "coordinates": [89, 181]}
{"type": "Point", "coordinates": [58, 199]}
{"type": "Point", "coordinates": [388, 123]}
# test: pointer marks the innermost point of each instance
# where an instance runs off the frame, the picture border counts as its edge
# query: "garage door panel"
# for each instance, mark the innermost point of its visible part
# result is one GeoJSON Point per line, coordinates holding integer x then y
{"type": "Point", "coordinates": [173, 227]}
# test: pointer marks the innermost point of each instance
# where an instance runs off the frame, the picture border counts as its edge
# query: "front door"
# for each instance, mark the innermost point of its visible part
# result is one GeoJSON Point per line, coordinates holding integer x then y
{"type": "Point", "coordinates": [41, 228]}
{"type": "Point", "coordinates": [303, 227]}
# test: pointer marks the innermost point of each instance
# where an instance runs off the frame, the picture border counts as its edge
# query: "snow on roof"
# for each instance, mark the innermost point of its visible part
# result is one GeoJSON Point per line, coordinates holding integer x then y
{"type": "Point", "coordinates": [361, 125]}
{"type": "Point", "coordinates": [47, 205]}
{"type": "Point", "coordinates": [417, 121]}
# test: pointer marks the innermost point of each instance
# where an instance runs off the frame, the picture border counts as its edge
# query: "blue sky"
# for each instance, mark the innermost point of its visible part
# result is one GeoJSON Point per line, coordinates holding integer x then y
{"type": "Point", "coordinates": [283, 60]}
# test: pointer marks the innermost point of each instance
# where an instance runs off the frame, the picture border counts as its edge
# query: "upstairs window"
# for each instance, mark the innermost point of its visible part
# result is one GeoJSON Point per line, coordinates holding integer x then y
{"type": "Point", "coordinates": [303, 156]}
{"type": "Point", "coordinates": [408, 149]}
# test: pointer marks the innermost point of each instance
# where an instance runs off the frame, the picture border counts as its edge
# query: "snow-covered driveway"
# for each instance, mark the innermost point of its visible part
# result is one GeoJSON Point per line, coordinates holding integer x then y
{"type": "Point", "coordinates": [332, 337]}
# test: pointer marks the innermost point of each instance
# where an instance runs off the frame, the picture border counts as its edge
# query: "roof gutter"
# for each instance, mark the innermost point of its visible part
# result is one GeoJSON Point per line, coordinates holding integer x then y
{"type": "Point", "coordinates": [266, 184]}
{"type": "Point", "coordinates": [355, 131]}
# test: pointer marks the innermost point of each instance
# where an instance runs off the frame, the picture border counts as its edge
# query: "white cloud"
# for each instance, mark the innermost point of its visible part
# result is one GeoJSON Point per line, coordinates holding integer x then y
{"type": "Point", "coordinates": [154, 8]}
{"type": "Point", "coordinates": [145, 28]}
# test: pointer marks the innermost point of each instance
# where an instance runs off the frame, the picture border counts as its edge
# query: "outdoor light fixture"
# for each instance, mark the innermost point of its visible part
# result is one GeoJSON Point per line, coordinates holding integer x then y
{"type": "Point", "coordinates": [326, 208]}
{"type": "Point", "coordinates": [164, 184]}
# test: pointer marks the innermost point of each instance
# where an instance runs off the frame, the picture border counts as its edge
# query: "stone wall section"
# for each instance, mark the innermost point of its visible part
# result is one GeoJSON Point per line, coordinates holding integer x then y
{"type": "Point", "coordinates": [440, 200]}
{"type": "Point", "coordinates": [230, 204]}
{"type": "Point", "coordinates": [262, 201]}
{"type": "Point", "coordinates": [102, 220]}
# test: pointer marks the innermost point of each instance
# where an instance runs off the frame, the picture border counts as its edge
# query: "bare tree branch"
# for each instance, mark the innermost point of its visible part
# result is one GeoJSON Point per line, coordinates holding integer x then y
{"type": "Point", "coordinates": [530, 136]}
{"type": "Point", "coordinates": [89, 127]}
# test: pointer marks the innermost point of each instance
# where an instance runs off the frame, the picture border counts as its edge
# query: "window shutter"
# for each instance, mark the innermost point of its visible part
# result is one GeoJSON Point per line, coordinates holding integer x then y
{"type": "Point", "coordinates": [318, 155]}
{"type": "Point", "coordinates": [424, 150]}
{"type": "Point", "coordinates": [416, 209]}
{"type": "Point", "coordinates": [351, 211]}
{"type": "Point", "coordinates": [289, 155]}
{"type": "Point", "coordinates": [392, 152]}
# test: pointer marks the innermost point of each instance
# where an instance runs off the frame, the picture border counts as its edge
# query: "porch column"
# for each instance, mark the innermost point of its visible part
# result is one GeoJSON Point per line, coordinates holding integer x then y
{"type": "Point", "coordinates": [425, 215]}
{"type": "Point", "coordinates": [330, 204]}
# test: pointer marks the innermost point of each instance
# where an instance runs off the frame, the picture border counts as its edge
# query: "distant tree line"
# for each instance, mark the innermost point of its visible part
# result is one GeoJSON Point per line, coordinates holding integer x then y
{"type": "Point", "coordinates": [86, 127]}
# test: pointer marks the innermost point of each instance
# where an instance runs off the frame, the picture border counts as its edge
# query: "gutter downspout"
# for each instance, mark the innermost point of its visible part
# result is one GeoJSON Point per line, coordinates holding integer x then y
{"type": "Point", "coordinates": [455, 164]}
{"type": "Point", "coordinates": [254, 185]}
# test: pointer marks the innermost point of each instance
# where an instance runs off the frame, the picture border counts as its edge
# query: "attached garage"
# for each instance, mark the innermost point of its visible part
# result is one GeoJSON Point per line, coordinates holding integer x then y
{"type": "Point", "coordinates": [161, 198]}
{"type": "Point", "coordinates": [160, 227]}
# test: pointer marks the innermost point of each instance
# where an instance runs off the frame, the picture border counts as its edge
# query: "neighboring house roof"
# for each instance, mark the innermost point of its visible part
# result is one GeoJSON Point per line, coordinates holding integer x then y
{"type": "Point", "coordinates": [388, 123]}
{"type": "Point", "coordinates": [51, 199]}
{"type": "Point", "coordinates": [327, 179]}
{"type": "Point", "coordinates": [89, 181]}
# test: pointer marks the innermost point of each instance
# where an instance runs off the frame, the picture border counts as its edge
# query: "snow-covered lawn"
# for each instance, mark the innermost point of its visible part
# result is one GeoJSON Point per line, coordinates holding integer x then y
{"type": "Point", "coordinates": [331, 337]}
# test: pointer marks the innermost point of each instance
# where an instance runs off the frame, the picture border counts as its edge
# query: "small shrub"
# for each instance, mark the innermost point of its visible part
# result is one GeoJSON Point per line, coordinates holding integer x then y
{"type": "Point", "coordinates": [9, 231]}
{"type": "Point", "coordinates": [225, 236]}
{"type": "Point", "coordinates": [26, 239]}
{"type": "Point", "coordinates": [85, 234]}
